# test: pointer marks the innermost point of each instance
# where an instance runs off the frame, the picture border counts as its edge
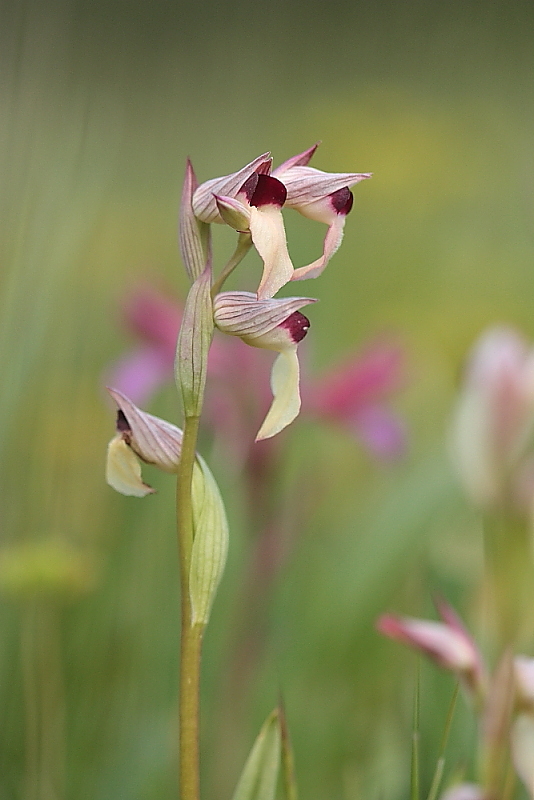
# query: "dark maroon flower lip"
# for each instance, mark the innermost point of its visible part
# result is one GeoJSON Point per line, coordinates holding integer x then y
{"type": "Point", "coordinates": [122, 424]}
{"type": "Point", "coordinates": [297, 325]}
{"type": "Point", "coordinates": [264, 190]}
{"type": "Point", "coordinates": [342, 200]}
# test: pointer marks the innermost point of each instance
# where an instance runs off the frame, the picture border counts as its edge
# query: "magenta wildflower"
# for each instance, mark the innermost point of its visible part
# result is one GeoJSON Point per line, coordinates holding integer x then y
{"type": "Point", "coordinates": [355, 395]}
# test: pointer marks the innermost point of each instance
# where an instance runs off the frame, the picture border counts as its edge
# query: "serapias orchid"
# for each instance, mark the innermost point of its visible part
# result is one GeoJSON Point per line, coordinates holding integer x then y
{"type": "Point", "coordinates": [251, 199]}
{"type": "Point", "coordinates": [274, 324]}
{"type": "Point", "coordinates": [320, 196]}
{"type": "Point", "coordinates": [139, 436]}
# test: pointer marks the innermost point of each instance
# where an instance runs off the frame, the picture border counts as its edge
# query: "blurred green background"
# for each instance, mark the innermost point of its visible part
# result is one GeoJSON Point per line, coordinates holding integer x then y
{"type": "Point", "coordinates": [101, 103]}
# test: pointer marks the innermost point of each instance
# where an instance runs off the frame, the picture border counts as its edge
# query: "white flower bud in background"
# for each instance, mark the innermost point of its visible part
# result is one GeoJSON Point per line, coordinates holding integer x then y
{"type": "Point", "coordinates": [464, 791]}
{"type": "Point", "coordinates": [523, 750]}
{"type": "Point", "coordinates": [494, 416]}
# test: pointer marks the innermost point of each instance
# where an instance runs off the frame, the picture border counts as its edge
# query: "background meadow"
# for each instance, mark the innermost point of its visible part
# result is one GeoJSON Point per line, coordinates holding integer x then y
{"type": "Point", "coordinates": [100, 104]}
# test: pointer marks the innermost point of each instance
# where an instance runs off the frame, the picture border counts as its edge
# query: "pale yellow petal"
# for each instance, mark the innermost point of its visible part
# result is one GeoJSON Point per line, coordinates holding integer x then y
{"type": "Point", "coordinates": [123, 471]}
{"type": "Point", "coordinates": [269, 237]}
{"type": "Point", "coordinates": [285, 387]}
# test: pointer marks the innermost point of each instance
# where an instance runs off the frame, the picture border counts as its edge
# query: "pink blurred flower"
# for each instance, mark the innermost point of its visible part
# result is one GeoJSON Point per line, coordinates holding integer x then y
{"type": "Point", "coordinates": [354, 394]}
{"type": "Point", "coordinates": [447, 643]}
{"type": "Point", "coordinates": [155, 320]}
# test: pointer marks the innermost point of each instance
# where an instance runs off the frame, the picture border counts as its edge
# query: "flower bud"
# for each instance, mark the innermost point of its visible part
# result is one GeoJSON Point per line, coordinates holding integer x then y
{"type": "Point", "coordinates": [210, 542]}
{"type": "Point", "coordinates": [194, 234]}
{"type": "Point", "coordinates": [234, 213]}
{"type": "Point", "coordinates": [494, 415]}
{"type": "Point", "coordinates": [193, 345]}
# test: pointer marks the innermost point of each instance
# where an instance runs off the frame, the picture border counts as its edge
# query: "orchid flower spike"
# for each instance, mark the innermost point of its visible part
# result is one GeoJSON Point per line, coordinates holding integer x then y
{"type": "Point", "coordinates": [447, 643]}
{"type": "Point", "coordinates": [139, 435]}
{"type": "Point", "coordinates": [320, 196]}
{"type": "Point", "coordinates": [274, 324]}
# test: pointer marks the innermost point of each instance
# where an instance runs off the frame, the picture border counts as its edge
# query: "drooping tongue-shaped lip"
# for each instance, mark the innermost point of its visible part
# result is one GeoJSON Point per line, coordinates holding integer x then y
{"type": "Point", "coordinates": [264, 190]}
{"type": "Point", "coordinates": [297, 325]}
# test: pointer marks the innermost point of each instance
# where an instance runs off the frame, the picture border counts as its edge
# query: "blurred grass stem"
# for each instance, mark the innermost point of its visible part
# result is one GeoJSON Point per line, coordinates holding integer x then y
{"type": "Point", "coordinates": [44, 703]}
{"type": "Point", "coordinates": [440, 765]}
{"type": "Point", "coordinates": [414, 782]}
{"type": "Point", "coordinates": [509, 578]}
{"type": "Point", "coordinates": [191, 635]}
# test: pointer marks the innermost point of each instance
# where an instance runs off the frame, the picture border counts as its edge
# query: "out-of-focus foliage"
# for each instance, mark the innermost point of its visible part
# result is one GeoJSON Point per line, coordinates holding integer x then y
{"type": "Point", "coordinates": [100, 103]}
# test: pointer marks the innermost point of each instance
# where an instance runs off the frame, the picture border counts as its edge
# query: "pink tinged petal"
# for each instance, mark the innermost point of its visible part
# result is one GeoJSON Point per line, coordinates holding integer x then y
{"type": "Point", "coordinates": [300, 160]}
{"type": "Point", "coordinates": [451, 618]}
{"type": "Point", "coordinates": [523, 750]}
{"type": "Point", "coordinates": [123, 471]}
{"type": "Point", "coordinates": [154, 440]}
{"type": "Point", "coordinates": [285, 389]}
{"type": "Point", "coordinates": [233, 213]}
{"type": "Point", "coordinates": [381, 430]}
{"type": "Point", "coordinates": [194, 234]}
{"type": "Point", "coordinates": [142, 373]}
{"type": "Point", "coordinates": [258, 321]}
{"type": "Point", "coordinates": [446, 646]}
{"type": "Point", "coordinates": [204, 204]}
{"type": "Point", "coordinates": [306, 185]}
{"type": "Point", "coordinates": [333, 239]}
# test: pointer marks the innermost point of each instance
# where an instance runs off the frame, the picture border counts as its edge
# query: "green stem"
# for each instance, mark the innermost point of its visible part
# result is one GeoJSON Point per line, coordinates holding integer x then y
{"type": "Point", "coordinates": [509, 579]}
{"type": "Point", "coordinates": [31, 701]}
{"type": "Point", "coordinates": [191, 636]}
{"type": "Point", "coordinates": [244, 243]}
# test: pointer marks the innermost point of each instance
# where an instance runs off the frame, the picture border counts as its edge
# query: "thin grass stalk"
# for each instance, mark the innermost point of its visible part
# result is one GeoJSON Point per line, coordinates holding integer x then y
{"type": "Point", "coordinates": [440, 765]}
